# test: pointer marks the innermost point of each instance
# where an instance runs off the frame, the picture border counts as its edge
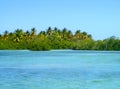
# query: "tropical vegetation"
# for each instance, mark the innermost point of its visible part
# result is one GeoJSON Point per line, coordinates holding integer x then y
{"type": "Point", "coordinates": [54, 38]}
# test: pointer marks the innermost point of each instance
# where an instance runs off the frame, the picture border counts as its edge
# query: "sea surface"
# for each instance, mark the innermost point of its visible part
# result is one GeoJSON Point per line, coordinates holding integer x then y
{"type": "Point", "coordinates": [59, 69]}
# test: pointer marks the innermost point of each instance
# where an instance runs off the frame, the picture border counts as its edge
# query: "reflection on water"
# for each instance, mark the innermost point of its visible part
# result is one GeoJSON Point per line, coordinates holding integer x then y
{"type": "Point", "coordinates": [64, 69]}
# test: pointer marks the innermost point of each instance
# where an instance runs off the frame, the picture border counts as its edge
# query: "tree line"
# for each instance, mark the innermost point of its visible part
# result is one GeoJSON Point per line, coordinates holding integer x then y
{"type": "Point", "coordinates": [54, 38]}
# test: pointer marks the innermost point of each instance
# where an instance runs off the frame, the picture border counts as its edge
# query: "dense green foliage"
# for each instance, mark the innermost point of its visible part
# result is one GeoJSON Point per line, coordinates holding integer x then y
{"type": "Point", "coordinates": [55, 39]}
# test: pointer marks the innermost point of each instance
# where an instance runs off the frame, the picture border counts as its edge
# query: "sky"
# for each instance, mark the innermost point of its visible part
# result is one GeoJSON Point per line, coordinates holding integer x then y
{"type": "Point", "coordinates": [100, 18]}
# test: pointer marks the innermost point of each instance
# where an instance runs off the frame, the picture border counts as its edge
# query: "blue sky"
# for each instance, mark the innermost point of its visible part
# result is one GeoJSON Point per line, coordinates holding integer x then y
{"type": "Point", "coordinates": [100, 18]}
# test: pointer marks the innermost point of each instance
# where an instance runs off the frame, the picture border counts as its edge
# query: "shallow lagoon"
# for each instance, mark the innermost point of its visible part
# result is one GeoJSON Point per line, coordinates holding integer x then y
{"type": "Point", "coordinates": [63, 69]}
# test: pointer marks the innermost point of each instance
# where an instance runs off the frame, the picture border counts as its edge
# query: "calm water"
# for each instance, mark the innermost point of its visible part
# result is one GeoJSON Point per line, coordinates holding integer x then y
{"type": "Point", "coordinates": [64, 69]}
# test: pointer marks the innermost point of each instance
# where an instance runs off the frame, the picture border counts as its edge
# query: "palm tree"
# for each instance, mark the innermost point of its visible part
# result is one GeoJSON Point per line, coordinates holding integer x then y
{"type": "Point", "coordinates": [90, 36]}
{"type": "Point", "coordinates": [5, 34]}
{"type": "Point", "coordinates": [42, 35]}
{"type": "Point", "coordinates": [16, 39]}
{"type": "Point", "coordinates": [85, 36]}
{"type": "Point", "coordinates": [64, 30]}
{"type": "Point", "coordinates": [69, 34]}
{"type": "Point", "coordinates": [10, 34]}
{"type": "Point", "coordinates": [49, 31]}
{"type": "Point", "coordinates": [56, 33]}
{"type": "Point", "coordinates": [18, 35]}
{"type": "Point", "coordinates": [55, 29]}
{"type": "Point", "coordinates": [59, 31]}
{"type": "Point", "coordinates": [78, 34]}
{"type": "Point", "coordinates": [27, 34]}
{"type": "Point", "coordinates": [33, 32]}
{"type": "Point", "coordinates": [42, 32]}
{"type": "Point", "coordinates": [0, 35]}
{"type": "Point", "coordinates": [64, 33]}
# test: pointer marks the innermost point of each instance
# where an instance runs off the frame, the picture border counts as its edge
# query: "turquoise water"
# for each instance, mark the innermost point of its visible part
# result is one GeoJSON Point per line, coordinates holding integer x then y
{"type": "Point", "coordinates": [64, 69]}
